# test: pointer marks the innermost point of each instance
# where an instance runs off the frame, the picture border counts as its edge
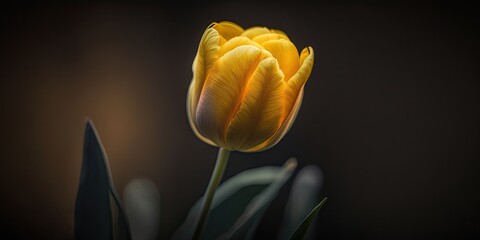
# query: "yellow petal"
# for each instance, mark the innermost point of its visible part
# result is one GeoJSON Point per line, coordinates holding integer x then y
{"type": "Point", "coordinates": [191, 118]}
{"type": "Point", "coordinates": [287, 124]}
{"type": "Point", "coordinates": [260, 114]}
{"type": "Point", "coordinates": [203, 62]}
{"type": "Point", "coordinates": [304, 54]}
{"type": "Point", "coordinates": [227, 29]}
{"type": "Point", "coordinates": [301, 76]}
{"type": "Point", "coordinates": [269, 36]}
{"type": "Point", "coordinates": [293, 96]}
{"type": "Point", "coordinates": [287, 55]}
{"type": "Point", "coordinates": [224, 89]}
{"type": "Point", "coordinates": [235, 42]}
{"type": "Point", "coordinates": [255, 31]}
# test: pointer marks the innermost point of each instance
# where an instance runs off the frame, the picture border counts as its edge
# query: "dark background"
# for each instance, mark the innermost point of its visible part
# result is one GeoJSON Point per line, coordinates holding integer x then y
{"type": "Point", "coordinates": [390, 111]}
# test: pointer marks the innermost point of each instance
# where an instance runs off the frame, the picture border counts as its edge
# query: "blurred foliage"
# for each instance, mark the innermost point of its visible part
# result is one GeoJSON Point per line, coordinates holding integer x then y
{"type": "Point", "coordinates": [238, 206]}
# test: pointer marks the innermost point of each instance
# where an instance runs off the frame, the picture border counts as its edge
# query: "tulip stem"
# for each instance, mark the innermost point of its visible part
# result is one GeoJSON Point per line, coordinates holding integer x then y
{"type": "Point", "coordinates": [219, 169]}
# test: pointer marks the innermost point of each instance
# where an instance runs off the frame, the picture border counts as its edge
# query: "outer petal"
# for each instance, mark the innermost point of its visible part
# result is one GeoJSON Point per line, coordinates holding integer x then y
{"type": "Point", "coordinates": [235, 42]}
{"type": "Point", "coordinates": [228, 29]}
{"type": "Point", "coordinates": [224, 89]}
{"type": "Point", "coordinates": [287, 124]}
{"type": "Point", "coordinates": [255, 31]}
{"type": "Point", "coordinates": [293, 96]}
{"type": "Point", "coordinates": [304, 54]}
{"type": "Point", "coordinates": [260, 114]}
{"type": "Point", "coordinates": [287, 55]}
{"type": "Point", "coordinates": [204, 60]}
{"type": "Point", "coordinates": [191, 117]}
{"type": "Point", "coordinates": [296, 83]}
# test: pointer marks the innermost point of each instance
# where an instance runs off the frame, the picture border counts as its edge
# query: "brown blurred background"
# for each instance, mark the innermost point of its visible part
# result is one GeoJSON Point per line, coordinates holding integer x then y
{"type": "Point", "coordinates": [390, 112]}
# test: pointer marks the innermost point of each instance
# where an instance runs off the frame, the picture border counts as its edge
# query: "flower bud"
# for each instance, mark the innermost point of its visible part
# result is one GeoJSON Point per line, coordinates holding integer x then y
{"type": "Point", "coordinates": [247, 86]}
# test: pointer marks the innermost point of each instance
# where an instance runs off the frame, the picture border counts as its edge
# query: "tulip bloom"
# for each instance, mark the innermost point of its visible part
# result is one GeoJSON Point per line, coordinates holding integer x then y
{"type": "Point", "coordinates": [247, 86]}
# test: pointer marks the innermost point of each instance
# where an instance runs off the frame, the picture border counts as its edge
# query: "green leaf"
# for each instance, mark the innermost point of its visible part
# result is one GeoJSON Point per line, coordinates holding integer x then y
{"type": "Point", "coordinates": [304, 196]}
{"type": "Point", "coordinates": [246, 224]}
{"type": "Point", "coordinates": [303, 227]}
{"type": "Point", "coordinates": [98, 210]}
{"type": "Point", "coordinates": [231, 198]}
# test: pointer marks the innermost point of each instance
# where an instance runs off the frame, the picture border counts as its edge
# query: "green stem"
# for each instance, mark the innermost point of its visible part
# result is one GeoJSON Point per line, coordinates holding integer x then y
{"type": "Point", "coordinates": [222, 159]}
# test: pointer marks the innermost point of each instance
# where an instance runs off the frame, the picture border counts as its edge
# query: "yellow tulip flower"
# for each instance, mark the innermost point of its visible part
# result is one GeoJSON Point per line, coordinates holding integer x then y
{"type": "Point", "coordinates": [247, 86]}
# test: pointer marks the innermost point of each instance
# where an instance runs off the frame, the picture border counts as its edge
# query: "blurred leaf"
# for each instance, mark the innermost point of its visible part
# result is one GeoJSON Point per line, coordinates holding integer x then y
{"type": "Point", "coordinates": [304, 196]}
{"type": "Point", "coordinates": [230, 199]}
{"type": "Point", "coordinates": [246, 224]}
{"type": "Point", "coordinates": [303, 227]}
{"type": "Point", "coordinates": [142, 203]}
{"type": "Point", "coordinates": [98, 209]}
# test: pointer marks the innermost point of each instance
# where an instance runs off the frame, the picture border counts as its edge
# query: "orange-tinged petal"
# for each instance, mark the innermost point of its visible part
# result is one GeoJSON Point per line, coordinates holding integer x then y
{"type": "Point", "coordinates": [222, 41]}
{"type": "Point", "coordinates": [227, 29]}
{"type": "Point", "coordinates": [224, 89]}
{"type": "Point", "coordinates": [203, 62]}
{"type": "Point", "coordinates": [287, 55]}
{"type": "Point", "coordinates": [235, 42]}
{"type": "Point", "coordinates": [269, 36]}
{"type": "Point", "coordinates": [255, 31]}
{"type": "Point", "coordinates": [260, 114]}
{"type": "Point", "coordinates": [287, 124]}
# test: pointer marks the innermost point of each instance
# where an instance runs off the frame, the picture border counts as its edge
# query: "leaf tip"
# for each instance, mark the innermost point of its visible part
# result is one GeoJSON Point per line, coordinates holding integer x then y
{"type": "Point", "coordinates": [91, 131]}
{"type": "Point", "coordinates": [89, 123]}
{"type": "Point", "coordinates": [291, 164]}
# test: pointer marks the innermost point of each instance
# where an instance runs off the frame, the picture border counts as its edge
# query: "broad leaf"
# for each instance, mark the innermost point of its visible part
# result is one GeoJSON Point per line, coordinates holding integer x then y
{"type": "Point", "coordinates": [246, 224]}
{"type": "Point", "coordinates": [98, 209]}
{"type": "Point", "coordinates": [231, 198]}
{"type": "Point", "coordinates": [303, 227]}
